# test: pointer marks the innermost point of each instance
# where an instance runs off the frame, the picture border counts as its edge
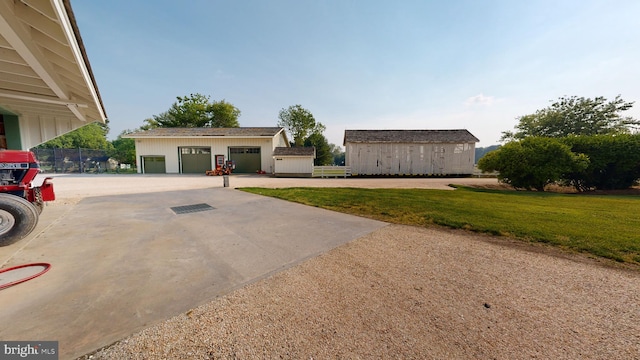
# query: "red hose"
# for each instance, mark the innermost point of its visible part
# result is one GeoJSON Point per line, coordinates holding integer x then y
{"type": "Point", "coordinates": [45, 265]}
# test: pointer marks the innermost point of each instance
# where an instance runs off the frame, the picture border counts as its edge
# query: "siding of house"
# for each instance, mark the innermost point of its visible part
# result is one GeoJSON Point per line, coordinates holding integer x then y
{"type": "Point", "coordinates": [36, 129]}
{"type": "Point", "coordinates": [279, 142]}
{"type": "Point", "coordinates": [168, 147]}
{"type": "Point", "coordinates": [301, 166]}
{"type": "Point", "coordinates": [410, 158]}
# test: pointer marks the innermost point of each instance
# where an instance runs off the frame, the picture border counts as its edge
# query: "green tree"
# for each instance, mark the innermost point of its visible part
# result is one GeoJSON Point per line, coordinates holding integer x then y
{"type": "Point", "coordinates": [124, 149]}
{"type": "Point", "coordinates": [223, 115]}
{"type": "Point", "coordinates": [570, 116]}
{"type": "Point", "coordinates": [152, 123]}
{"type": "Point", "coordinates": [480, 151]}
{"type": "Point", "coordinates": [533, 163]}
{"type": "Point", "coordinates": [338, 154]}
{"type": "Point", "coordinates": [323, 150]}
{"type": "Point", "coordinates": [614, 161]}
{"type": "Point", "coordinates": [188, 111]}
{"type": "Point", "coordinates": [299, 123]}
{"type": "Point", "coordinates": [90, 136]}
{"type": "Point", "coordinates": [196, 110]}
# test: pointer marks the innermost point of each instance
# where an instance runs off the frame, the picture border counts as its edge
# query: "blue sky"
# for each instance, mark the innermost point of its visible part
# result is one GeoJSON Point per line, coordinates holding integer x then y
{"type": "Point", "coordinates": [362, 64]}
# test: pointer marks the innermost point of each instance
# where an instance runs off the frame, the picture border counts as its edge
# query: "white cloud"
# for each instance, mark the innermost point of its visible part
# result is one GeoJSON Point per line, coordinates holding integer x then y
{"type": "Point", "coordinates": [480, 99]}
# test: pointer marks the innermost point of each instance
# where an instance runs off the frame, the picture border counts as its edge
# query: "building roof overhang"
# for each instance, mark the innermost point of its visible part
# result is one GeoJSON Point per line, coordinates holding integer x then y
{"type": "Point", "coordinates": [409, 136]}
{"type": "Point", "coordinates": [44, 68]}
{"type": "Point", "coordinates": [295, 152]}
{"type": "Point", "coordinates": [199, 133]}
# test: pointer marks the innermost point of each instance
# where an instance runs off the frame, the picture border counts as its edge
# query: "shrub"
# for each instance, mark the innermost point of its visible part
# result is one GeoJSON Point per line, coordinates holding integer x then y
{"type": "Point", "coordinates": [533, 163]}
{"type": "Point", "coordinates": [614, 161]}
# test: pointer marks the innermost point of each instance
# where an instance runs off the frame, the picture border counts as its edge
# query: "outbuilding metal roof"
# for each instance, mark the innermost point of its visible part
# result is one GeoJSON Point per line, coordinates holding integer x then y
{"type": "Point", "coordinates": [295, 151]}
{"type": "Point", "coordinates": [409, 136]}
{"type": "Point", "coordinates": [207, 132]}
{"type": "Point", "coordinates": [43, 63]}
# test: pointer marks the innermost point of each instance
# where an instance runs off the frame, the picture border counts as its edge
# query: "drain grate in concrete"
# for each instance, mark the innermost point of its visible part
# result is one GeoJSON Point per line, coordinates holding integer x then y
{"type": "Point", "coordinates": [191, 208]}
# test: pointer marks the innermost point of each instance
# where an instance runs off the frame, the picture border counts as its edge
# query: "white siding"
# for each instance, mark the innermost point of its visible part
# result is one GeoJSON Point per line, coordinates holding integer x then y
{"type": "Point", "coordinates": [279, 141]}
{"type": "Point", "coordinates": [294, 165]}
{"type": "Point", "coordinates": [168, 147]}
{"type": "Point", "coordinates": [37, 129]}
{"type": "Point", "coordinates": [410, 158]}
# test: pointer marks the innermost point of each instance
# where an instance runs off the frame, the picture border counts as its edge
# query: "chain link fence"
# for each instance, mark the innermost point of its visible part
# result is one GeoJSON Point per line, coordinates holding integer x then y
{"type": "Point", "coordinates": [75, 161]}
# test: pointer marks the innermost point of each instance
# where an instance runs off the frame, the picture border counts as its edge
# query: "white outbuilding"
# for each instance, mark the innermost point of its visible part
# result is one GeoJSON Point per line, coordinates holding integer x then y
{"type": "Point", "coordinates": [294, 161]}
{"type": "Point", "coordinates": [410, 152]}
{"type": "Point", "coordinates": [196, 150]}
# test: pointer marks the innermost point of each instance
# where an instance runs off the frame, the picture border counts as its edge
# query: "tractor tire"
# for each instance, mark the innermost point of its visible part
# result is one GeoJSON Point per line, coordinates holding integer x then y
{"type": "Point", "coordinates": [18, 218]}
{"type": "Point", "coordinates": [39, 207]}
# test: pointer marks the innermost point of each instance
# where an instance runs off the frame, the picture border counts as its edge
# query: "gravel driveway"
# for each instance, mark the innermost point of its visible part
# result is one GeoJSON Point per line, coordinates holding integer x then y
{"type": "Point", "coordinates": [407, 292]}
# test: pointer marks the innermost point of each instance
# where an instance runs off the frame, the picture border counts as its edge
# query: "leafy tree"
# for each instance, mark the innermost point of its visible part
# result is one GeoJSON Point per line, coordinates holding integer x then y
{"type": "Point", "coordinates": [300, 123]}
{"type": "Point", "coordinates": [150, 123]}
{"type": "Point", "coordinates": [533, 163]}
{"type": "Point", "coordinates": [323, 150]}
{"type": "Point", "coordinates": [338, 154]}
{"type": "Point", "coordinates": [188, 111]}
{"type": "Point", "coordinates": [614, 161]}
{"type": "Point", "coordinates": [481, 151]}
{"type": "Point", "coordinates": [570, 116]}
{"type": "Point", "coordinates": [196, 110]}
{"type": "Point", "coordinates": [223, 115]}
{"type": "Point", "coordinates": [124, 149]}
{"type": "Point", "coordinates": [90, 136]}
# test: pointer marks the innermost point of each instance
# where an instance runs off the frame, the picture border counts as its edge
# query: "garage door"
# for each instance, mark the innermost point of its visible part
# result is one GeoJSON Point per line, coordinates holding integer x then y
{"type": "Point", "coordinates": [153, 165]}
{"type": "Point", "coordinates": [247, 159]}
{"type": "Point", "coordinates": [195, 160]}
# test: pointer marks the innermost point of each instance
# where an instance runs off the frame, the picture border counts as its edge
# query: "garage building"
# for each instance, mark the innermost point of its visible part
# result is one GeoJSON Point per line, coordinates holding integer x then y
{"type": "Point", "coordinates": [410, 152]}
{"type": "Point", "coordinates": [196, 150]}
{"type": "Point", "coordinates": [294, 161]}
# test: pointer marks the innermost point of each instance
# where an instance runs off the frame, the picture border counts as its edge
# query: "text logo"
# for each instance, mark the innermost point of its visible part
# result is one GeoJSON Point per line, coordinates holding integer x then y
{"type": "Point", "coordinates": [32, 350]}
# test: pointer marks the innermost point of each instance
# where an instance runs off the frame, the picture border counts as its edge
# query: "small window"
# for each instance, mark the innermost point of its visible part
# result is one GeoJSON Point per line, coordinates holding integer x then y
{"type": "Point", "coordinates": [195, 150]}
{"type": "Point", "coordinates": [244, 150]}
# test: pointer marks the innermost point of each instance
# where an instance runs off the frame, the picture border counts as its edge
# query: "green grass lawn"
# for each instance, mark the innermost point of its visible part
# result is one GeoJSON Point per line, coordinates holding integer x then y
{"type": "Point", "coordinates": [606, 226]}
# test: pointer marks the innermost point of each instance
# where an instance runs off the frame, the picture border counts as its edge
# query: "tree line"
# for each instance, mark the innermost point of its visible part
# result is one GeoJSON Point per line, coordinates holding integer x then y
{"type": "Point", "coordinates": [196, 111]}
{"type": "Point", "coordinates": [580, 142]}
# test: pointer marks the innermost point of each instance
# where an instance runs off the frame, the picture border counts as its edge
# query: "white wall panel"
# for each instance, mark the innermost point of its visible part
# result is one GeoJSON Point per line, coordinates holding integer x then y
{"type": "Point", "coordinates": [410, 158]}
{"type": "Point", "coordinates": [37, 129]}
{"type": "Point", "coordinates": [294, 165]}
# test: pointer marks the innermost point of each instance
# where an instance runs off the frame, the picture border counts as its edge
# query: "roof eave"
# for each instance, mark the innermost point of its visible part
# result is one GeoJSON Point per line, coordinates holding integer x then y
{"type": "Point", "coordinates": [71, 30]}
{"type": "Point", "coordinates": [132, 136]}
{"type": "Point", "coordinates": [300, 156]}
{"type": "Point", "coordinates": [409, 142]}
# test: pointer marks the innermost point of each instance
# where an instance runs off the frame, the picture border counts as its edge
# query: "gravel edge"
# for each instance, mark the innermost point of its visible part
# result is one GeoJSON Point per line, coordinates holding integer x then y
{"type": "Point", "coordinates": [408, 292]}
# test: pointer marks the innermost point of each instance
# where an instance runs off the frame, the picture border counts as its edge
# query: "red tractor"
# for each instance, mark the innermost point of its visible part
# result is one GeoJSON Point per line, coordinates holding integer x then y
{"type": "Point", "coordinates": [222, 167]}
{"type": "Point", "coordinates": [20, 203]}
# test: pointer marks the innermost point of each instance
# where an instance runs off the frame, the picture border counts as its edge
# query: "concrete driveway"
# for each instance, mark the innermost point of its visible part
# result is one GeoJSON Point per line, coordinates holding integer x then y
{"type": "Point", "coordinates": [125, 260]}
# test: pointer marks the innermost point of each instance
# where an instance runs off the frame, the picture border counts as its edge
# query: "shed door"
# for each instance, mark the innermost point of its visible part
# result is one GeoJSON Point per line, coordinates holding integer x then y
{"type": "Point", "coordinates": [247, 159]}
{"type": "Point", "coordinates": [195, 160]}
{"type": "Point", "coordinates": [153, 165]}
{"type": "Point", "coordinates": [438, 159]}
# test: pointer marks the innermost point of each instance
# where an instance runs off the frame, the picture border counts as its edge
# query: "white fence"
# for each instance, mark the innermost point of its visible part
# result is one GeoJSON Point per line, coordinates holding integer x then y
{"type": "Point", "coordinates": [331, 171]}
